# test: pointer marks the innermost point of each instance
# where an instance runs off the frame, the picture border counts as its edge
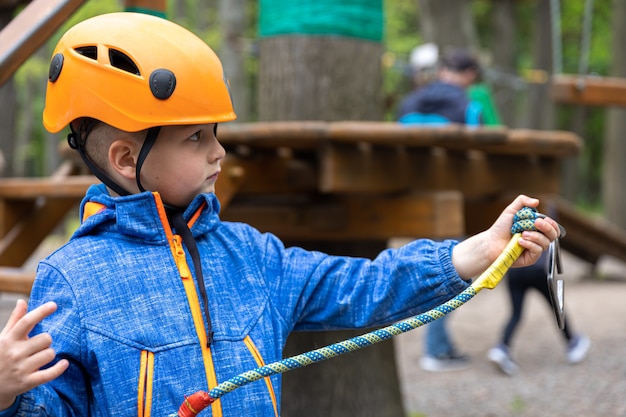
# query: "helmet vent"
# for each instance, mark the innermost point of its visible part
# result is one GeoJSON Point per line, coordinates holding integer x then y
{"type": "Point", "coordinates": [90, 52]}
{"type": "Point", "coordinates": [122, 61]}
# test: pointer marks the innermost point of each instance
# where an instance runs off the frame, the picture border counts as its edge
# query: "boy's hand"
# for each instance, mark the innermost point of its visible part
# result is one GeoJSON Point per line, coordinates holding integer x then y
{"type": "Point", "coordinates": [22, 357]}
{"type": "Point", "coordinates": [472, 256]}
{"type": "Point", "coordinates": [535, 242]}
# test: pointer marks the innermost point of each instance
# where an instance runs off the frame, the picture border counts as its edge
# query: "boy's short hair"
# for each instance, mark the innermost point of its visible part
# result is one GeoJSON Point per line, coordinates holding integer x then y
{"type": "Point", "coordinates": [98, 136]}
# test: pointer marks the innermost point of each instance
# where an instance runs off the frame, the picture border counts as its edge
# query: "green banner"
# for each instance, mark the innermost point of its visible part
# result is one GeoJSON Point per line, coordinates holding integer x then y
{"type": "Point", "coordinates": [352, 18]}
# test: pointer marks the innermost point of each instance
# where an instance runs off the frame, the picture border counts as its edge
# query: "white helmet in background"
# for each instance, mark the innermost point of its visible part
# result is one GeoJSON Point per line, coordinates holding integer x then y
{"type": "Point", "coordinates": [424, 56]}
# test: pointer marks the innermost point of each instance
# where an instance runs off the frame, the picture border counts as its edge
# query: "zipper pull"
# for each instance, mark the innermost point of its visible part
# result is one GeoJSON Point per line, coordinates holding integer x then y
{"type": "Point", "coordinates": [179, 257]}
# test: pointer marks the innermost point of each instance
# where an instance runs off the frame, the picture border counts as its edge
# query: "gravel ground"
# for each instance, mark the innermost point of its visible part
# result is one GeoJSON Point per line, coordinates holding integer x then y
{"type": "Point", "coordinates": [546, 385]}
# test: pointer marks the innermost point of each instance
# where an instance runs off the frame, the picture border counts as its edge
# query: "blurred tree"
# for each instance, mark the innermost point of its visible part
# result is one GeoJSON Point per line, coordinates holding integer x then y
{"type": "Point", "coordinates": [614, 174]}
{"type": "Point", "coordinates": [8, 104]}
{"type": "Point", "coordinates": [321, 60]}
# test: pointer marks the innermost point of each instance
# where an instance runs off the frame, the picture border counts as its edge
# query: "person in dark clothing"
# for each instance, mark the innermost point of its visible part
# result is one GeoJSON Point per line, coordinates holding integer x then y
{"type": "Point", "coordinates": [441, 101]}
{"type": "Point", "coordinates": [519, 282]}
{"type": "Point", "coordinates": [445, 100]}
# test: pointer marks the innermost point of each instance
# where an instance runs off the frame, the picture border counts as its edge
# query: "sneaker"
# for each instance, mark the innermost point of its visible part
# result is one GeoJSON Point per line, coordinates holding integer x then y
{"type": "Point", "coordinates": [445, 363]}
{"type": "Point", "coordinates": [577, 349]}
{"type": "Point", "coordinates": [500, 356]}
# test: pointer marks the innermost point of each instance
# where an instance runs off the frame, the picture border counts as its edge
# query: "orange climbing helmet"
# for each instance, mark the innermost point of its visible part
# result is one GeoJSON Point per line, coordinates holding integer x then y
{"type": "Point", "coordinates": [135, 71]}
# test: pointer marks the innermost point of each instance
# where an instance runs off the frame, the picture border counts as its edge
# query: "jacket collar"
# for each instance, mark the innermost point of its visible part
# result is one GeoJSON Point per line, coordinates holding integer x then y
{"type": "Point", "coordinates": [138, 215]}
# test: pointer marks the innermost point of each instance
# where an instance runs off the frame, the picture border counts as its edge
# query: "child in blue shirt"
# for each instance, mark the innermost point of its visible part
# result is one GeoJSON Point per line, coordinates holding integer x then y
{"type": "Point", "coordinates": [154, 297]}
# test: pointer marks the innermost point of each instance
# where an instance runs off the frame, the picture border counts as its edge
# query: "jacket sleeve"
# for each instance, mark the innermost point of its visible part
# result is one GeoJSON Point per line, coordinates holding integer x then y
{"type": "Point", "coordinates": [316, 291]}
{"type": "Point", "coordinates": [66, 395]}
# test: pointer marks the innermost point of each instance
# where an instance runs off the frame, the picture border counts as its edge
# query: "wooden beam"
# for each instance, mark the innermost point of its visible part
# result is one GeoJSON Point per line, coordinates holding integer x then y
{"type": "Point", "coordinates": [590, 237]}
{"type": "Point", "coordinates": [342, 218]}
{"type": "Point", "coordinates": [589, 90]}
{"type": "Point", "coordinates": [306, 136]}
{"type": "Point", "coordinates": [16, 280]}
{"type": "Point", "coordinates": [363, 168]}
{"type": "Point", "coordinates": [26, 235]}
{"type": "Point", "coordinates": [481, 175]}
{"type": "Point", "coordinates": [30, 29]}
{"type": "Point", "coordinates": [73, 186]}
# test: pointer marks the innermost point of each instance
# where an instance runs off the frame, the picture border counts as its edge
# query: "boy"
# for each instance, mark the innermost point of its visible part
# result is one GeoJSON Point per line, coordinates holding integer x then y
{"type": "Point", "coordinates": [154, 297]}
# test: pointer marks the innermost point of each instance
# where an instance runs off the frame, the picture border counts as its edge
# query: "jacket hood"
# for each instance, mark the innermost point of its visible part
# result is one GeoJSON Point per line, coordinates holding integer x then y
{"type": "Point", "coordinates": [138, 215]}
{"type": "Point", "coordinates": [441, 98]}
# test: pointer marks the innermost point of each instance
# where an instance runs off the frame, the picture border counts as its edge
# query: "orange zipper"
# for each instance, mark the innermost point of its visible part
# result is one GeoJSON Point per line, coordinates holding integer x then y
{"type": "Point", "coordinates": [198, 320]}
{"type": "Point", "coordinates": [146, 379]}
{"type": "Point", "coordinates": [260, 362]}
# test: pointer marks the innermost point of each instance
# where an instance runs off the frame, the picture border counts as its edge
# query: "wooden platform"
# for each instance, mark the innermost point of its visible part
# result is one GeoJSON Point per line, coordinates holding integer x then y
{"type": "Point", "coordinates": [329, 181]}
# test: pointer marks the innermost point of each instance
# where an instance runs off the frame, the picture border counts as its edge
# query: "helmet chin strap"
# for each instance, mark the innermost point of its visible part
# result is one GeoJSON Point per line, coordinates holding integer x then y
{"type": "Point", "coordinates": [151, 137]}
{"type": "Point", "coordinates": [77, 139]}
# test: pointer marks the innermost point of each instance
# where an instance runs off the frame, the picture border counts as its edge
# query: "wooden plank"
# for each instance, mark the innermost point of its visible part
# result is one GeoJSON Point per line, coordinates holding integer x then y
{"type": "Point", "coordinates": [589, 90]}
{"type": "Point", "coordinates": [30, 29]}
{"type": "Point", "coordinates": [309, 136]}
{"type": "Point", "coordinates": [272, 173]}
{"type": "Point", "coordinates": [12, 212]}
{"type": "Point", "coordinates": [436, 215]}
{"type": "Point", "coordinates": [23, 238]}
{"type": "Point", "coordinates": [73, 186]}
{"type": "Point", "coordinates": [363, 168]}
{"type": "Point", "coordinates": [590, 237]}
{"type": "Point", "coordinates": [16, 280]}
{"type": "Point", "coordinates": [351, 169]}
{"type": "Point", "coordinates": [480, 175]}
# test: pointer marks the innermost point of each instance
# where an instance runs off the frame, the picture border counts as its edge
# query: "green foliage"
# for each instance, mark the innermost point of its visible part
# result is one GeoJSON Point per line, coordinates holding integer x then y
{"type": "Point", "coordinates": [30, 80]}
{"type": "Point", "coordinates": [402, 34]}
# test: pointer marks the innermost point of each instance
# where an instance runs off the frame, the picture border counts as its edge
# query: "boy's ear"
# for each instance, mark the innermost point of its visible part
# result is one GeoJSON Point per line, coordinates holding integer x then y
{"type": "Point", "coordinates": [123, 157]}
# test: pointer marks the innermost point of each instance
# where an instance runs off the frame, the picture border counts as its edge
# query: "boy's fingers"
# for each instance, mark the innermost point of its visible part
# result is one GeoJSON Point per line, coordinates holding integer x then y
{"type": "Point", "coordinates": [548, 227]}
{"type": "Point", "coordinates": [26, 323]}
{"type": "Point", "coordinates": [36, 344]}
{"type": "Point", "coordinates": [39, 359]}
{"type": "Point", "coordinates": [46, 375]}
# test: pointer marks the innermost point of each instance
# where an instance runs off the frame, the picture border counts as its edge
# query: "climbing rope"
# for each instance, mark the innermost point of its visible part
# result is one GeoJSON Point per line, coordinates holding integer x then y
{"type": "Point", "coordinates": [523, 220]}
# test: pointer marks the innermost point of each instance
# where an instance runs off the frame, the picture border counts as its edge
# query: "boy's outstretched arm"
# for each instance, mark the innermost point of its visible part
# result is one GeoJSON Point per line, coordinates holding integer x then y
{"type": "Point", "coordinates": [22, 357]}
{"type": "Point", "coordinates": [472, 256]}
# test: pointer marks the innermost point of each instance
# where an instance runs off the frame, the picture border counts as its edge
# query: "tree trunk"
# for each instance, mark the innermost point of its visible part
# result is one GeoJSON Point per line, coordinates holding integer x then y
{"type": "Point", "coordinates": [504, 49]}
{"type": "Point", "coordinates": [233, 22]}
{"type": "Point", "coordinates": [8, 104]}
{"type": "Point", "coordinates": [330, 78]}
{"type": "Point", "coordinates": [614, 171]}
{"type": "Point", "coordinates": [540, 108]}
{"type": "Point", "coordinates": [448, 23]}
{"type": "Point", "coordinates": [320, 78]}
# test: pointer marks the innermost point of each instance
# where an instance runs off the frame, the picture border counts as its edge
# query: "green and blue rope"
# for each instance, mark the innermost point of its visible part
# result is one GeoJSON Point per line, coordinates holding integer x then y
{"type": "Point", "coordinates": [523, 220]}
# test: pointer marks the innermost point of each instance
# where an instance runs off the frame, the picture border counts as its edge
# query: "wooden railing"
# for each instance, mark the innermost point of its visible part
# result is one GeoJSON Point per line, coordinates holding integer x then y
{"type": "Point", "coordinates": [312, 181]}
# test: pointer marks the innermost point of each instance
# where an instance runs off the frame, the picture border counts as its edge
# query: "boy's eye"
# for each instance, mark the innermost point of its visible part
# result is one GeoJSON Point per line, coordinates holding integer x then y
{"type": "Point", "coordinates": [195, 137]}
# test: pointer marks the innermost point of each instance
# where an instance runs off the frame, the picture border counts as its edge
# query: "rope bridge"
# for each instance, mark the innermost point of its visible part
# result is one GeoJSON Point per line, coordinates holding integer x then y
{"type": "Point", "coordinates": [523, 220]}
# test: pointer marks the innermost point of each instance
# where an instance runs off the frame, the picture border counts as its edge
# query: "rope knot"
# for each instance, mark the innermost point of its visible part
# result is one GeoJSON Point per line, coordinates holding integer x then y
{"type": "Point", "coordinates": [524, 219]}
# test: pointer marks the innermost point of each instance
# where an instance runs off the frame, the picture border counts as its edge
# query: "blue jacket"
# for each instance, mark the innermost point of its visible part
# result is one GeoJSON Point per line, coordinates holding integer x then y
{"type": "Point", "coordinates": [130, 322]}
